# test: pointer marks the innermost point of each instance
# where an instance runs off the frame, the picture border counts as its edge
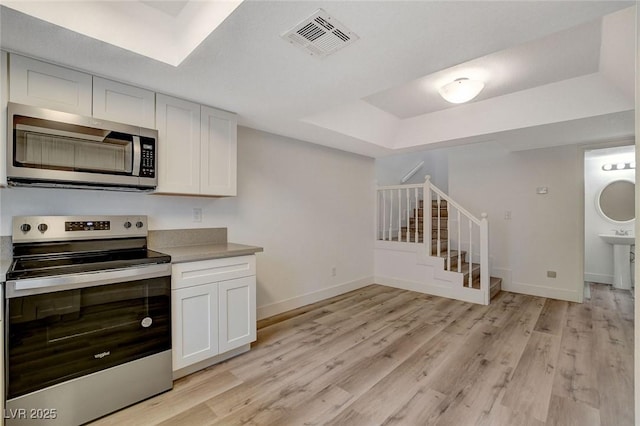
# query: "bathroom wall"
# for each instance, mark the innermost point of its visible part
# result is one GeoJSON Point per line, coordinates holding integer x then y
{"type": "Point", "coordinates": [598, 265]}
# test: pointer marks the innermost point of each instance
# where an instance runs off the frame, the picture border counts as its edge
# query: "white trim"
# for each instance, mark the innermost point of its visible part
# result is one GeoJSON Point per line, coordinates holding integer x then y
{"type": "Point", "coordinates": [598, 278]}
{"type": "Point", "coordinates": [461, 293]}
{"type": "Point", "coordinates": [543, 291]}
{"type": "Point", "coordinates": [308, 298]}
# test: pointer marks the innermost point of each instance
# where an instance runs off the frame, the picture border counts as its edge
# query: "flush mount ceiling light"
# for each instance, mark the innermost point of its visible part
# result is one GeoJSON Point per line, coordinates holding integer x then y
{"type": "Point", "coordinates": [461, 90]}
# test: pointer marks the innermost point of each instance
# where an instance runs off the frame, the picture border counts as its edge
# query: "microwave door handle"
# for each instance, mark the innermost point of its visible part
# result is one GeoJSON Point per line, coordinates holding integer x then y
{"type": "Point", "coordinates": [137, 154]}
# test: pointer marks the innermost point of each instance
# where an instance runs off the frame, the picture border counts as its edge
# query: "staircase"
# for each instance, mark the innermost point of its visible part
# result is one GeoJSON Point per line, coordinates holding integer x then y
{"type": "Point", "coordinates": [439, 234]}
{"type": "Point", "coordinates": [458, 252]}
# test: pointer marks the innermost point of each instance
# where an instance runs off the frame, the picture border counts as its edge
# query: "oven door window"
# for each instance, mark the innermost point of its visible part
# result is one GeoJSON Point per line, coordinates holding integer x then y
{"type": "Point", "coordinates": [59, 336]}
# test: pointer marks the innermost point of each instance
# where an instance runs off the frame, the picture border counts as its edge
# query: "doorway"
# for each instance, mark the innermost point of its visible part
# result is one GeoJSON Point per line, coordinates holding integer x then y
{"type": "Point", "coordinates": [609, 210]}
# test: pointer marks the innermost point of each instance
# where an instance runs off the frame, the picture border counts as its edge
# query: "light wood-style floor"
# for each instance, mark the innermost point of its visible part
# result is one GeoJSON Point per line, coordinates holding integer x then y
{"type": "Point", "coordinates": [383, 356]}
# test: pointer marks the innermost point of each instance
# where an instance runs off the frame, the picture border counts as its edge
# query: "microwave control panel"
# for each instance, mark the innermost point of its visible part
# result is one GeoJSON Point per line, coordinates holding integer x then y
{"type": "Point", "coordinates": [148, 160]}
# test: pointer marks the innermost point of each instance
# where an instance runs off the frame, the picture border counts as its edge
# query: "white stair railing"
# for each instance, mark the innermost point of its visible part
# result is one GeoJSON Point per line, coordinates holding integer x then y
{"type": "Point", "coordinates": [398, 219]}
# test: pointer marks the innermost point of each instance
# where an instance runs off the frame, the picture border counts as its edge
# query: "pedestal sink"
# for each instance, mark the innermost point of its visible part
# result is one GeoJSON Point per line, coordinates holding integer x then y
{"type": "Point", "coordinates": [621, 258]}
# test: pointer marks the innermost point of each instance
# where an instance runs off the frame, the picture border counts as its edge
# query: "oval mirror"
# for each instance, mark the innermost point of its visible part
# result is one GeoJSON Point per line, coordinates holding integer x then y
{"type": "Point", "coordinates": [616, 201]}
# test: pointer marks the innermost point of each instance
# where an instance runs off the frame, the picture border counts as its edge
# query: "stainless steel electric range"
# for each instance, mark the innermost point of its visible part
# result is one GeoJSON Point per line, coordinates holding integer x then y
{"type": "Point", "coordinates": [87, 318]}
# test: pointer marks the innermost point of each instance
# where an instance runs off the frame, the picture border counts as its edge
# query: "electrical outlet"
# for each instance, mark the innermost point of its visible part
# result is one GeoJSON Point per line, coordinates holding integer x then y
{"type": "Point", "coordinates": [197, 214]}
{"type": "Point", "coordinates": [507, 215]}
{"type": "Point", "coordinates": [551, 274]}
{"type": "Point", "coordinates": [333, 271]}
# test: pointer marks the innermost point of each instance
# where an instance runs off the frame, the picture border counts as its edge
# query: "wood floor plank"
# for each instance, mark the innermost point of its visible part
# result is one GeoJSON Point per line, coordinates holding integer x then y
{"type": "Point", "coordinates": [200, 415]}
{"type": "Point", "coordinates": [311, 377]}
{"type": "Point", "coordinates": [389, 356]}
{"type": "Point", "coordinates": [529, 391]}
{"type": "Point", "coordinates": [505, 416]}
{"type": "Point", "coordinates": [602, 296]}
{"type": "Point", "coordinates": [489, 370]}
{"type": "Point", "coordinates": [573, 379]}
{"type": "Point", "coordinates": [337, 336]}
{"type": "Point", "coordinates": [566, 412]}
{"type": "Point", "coordinates": [552, 317]}
{"type": "Point", "coordinates": [317, 409]}
{"type": "Point", "coordinates": [185, 395]}
{"type": "Point", "coordinates": [389, 395]}
{"type": "Point", "coordinates": [614, 366]}
{"type": "Point", "coordinates": [353, 296]}
{"type": "Point", "coordinates": [417, 410]}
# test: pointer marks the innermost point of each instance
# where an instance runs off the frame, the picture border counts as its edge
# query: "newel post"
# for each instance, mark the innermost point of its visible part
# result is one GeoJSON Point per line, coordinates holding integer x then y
{"type": "Point", "coordinates": [426, 214]}
{"type": "Point", "coordinates": [485, 284]}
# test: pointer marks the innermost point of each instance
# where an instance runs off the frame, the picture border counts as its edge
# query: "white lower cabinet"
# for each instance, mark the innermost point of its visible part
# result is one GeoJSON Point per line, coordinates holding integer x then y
{"type": "Point", "coordinates": [237, 312]}
{"type": "Point", "coordinates": [195, 324]}
{"type": "Point", "coordinates": [213, 308]}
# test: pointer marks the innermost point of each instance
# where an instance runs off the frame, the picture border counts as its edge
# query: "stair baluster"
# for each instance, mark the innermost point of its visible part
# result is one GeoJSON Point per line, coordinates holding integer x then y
{"type": "Point", "coordinates": [459, 245]}
{"type": "Point", "coordinates": [390, 214]}
{"type": "Point", "coordinates": [399, 213]}
{"type": "Point", "coordinates": [384, 214]}
{"type": "Point", "coordinates": [406, 234]}
{"type": "Point", "coordinates": [470, 253]}
{"type": "Point", "coordinates": [417, 200]}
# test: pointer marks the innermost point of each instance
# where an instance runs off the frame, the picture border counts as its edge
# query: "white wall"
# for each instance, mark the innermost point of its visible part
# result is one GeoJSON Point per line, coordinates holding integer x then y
{"type": "Point", "coordinates": [310, 207]}
{"type": "Point", "coordinates": [391, 169]}
{"type": "Point", "coordinates": [544, 232]}
{"type": "Point", "coordinates": [598, 258]}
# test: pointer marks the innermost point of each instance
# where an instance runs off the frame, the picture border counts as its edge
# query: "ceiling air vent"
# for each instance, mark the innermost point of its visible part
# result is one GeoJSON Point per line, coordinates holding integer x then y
{"type": "Point", "coordinates": [320, 34]}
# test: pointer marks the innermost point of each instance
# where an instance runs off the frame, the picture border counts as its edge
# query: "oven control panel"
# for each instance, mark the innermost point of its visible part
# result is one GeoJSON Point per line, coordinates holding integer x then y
{"type": "Point", "coordinates": [63, 228]}
{"type": "Point", "coordinates": [88, 225]}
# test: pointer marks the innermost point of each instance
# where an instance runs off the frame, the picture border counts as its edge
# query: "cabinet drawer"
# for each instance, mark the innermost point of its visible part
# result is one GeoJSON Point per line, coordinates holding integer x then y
{"type": "Point", "coordinates": [206, 271]}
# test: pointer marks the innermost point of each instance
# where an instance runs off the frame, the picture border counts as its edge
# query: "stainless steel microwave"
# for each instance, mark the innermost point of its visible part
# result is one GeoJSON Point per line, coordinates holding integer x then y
{"type": "Point", "coordinates": [50, 148]}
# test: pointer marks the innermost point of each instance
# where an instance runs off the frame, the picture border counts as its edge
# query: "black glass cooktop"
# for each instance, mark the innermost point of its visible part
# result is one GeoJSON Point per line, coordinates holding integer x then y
{"type": "Point", "coordinates": [45, 260]}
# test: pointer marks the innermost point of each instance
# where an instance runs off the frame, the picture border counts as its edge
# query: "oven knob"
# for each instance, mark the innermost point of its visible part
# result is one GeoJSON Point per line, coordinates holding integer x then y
{"type": "Point", "coordinates": [139, 224]}
{"type": "Point", "coordinates": [43, 227]}
{"type": "Point", "coordinates": [25, 227]}
{"type": "Point", "coordinates": [127, 224]}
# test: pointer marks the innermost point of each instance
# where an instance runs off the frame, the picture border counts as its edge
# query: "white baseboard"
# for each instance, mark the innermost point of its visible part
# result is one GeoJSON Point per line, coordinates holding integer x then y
{"type": "Point", "coordinates": [598, 278]}
{"type": "Point", "coordinates": [459, 293]}
{"type": "Point", "coordinates": [504, 274]}
{"type": "Point", "coordinates": [308, 298]}
{"type": "Point", "coordinates": [542, 291]}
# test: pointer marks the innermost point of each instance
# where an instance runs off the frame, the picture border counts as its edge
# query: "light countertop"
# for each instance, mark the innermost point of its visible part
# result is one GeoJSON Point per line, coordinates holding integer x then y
{"type": "Point", "coordinates": [193, 253]}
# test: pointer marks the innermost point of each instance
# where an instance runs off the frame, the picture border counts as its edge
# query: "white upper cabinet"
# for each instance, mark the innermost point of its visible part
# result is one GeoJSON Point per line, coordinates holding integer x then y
{"type": "Point", "coordinates": [219, 152]}
{"type": "Point", "coordinates": [197, 148]}
{"type": "Point", "coordinates": [122, 103]}
{"type": "Point", "coordinates": [50, 86]}
{"type": "Point", "coordinates": [197, 145]}
{"type": "Point", "coordinates": [178, 124]}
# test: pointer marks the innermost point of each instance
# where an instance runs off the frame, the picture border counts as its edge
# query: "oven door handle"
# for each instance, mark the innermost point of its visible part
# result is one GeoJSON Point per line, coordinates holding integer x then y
{"type": "Point", "coordinates": [30, 286]}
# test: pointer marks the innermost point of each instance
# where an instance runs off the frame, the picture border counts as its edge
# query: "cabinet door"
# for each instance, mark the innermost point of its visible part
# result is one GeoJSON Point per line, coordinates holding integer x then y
{"type": "Point", "coordinates": [119, 102]}
{"type": "Point", "coordinates": [4, 98]}
{"type": "Point", "coordinates": [194, 324]}
{"type": "Point", "coordinates": [45, 85]}
{"type": "Point", "coordinates": [219, 152]}
{"type": "Point", "coordinates": [237, 306]}
{"type": "Point", "coordinates": [178, 123]}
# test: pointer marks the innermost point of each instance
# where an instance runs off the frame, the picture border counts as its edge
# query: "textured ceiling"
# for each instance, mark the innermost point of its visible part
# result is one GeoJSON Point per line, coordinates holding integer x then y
{"type": "Point", "coordinates": [553, 69]}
